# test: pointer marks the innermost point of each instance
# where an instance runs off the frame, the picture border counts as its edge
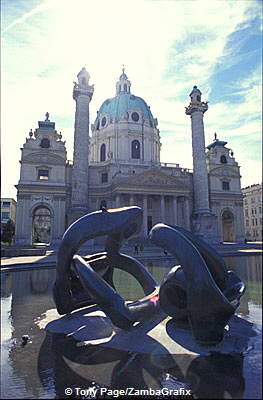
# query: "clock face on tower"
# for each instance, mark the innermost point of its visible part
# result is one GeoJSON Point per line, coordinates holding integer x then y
{"type": "Point", "coordinates": [45, 143]}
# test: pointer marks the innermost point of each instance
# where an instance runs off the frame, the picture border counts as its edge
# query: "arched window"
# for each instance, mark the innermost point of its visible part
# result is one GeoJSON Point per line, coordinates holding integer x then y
{"type": "Point", "coordinates": [223, 159]}
{"type": "Point", "coordinates": [103, 152]}
{"type": "Point", "coordinates": [198, 98]}
{"type": "Point", "coordinates": [83, 81]}
{"type": "Point", "coordinates": [135, 149]}
{"type": "Point", "coordinates": [125, 87]}
{"type": "Point", "coordinates": [41, 225]}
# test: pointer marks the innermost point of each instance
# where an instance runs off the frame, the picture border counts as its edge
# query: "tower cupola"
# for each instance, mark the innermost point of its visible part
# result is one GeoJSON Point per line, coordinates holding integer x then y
{"type": "Point", "coordinates": [123, 85]}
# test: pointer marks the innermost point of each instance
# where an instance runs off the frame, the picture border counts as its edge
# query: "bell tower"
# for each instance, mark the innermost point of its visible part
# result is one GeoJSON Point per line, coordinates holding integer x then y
{"type": "Point", "coordinates": [82, 94]}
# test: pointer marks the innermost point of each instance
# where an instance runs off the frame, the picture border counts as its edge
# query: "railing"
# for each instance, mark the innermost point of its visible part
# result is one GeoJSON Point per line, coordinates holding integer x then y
{"type": "Point", "coordinates": [174, 165]}
{"type": "Point", "coordinates": [137, 163]}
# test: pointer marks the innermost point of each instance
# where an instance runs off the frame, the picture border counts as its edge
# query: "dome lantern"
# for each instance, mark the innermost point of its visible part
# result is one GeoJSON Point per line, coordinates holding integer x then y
{"type": "Point", "coordinates": [123, 85]}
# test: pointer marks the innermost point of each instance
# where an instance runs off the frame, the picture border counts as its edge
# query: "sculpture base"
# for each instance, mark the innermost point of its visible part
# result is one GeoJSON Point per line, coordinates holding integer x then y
{"type": "Point", "coordinates": [158, 335]}
{"type": "Point", "coordinates": [205, 226]}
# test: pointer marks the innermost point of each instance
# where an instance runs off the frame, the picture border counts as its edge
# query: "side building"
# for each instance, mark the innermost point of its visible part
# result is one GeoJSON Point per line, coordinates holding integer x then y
{"type": "Point", "coordinates": [253, 212]}
{"type": "Point", "coordinates": [8, 210]}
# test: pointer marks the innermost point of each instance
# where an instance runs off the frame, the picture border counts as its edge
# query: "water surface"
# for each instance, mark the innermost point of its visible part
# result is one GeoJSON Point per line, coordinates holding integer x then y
{"type": "Point", "coordinates": [51, 362]}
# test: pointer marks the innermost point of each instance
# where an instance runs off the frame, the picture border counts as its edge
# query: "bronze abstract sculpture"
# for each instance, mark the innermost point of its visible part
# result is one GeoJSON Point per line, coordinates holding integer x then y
{"type": "Point", "coordinates": [200, 290]}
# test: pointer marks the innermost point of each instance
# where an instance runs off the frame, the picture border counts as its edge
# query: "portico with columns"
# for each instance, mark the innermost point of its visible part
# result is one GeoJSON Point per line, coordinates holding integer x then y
{"type": "Point", "coordinates": [166, 208]}
{"type": "Point", "coordinates": [162, 198]}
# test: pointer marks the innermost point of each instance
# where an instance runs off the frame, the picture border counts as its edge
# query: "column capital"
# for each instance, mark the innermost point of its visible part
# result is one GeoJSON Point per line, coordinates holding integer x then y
{"type": "Point", "coordinates": [199, 107]}
{"type": "Point", "coordinates": [83, 92]}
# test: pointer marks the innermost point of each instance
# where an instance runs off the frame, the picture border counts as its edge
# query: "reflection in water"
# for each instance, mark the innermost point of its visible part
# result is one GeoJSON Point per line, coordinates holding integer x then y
{"type": "Point", "coordinates": [6, 284]}
{"type": "Point", "coordinates": [249, 269]}
{"type": "Point", "coordinates": [218, 376]}
{"type": "Point", "coordinates": [30, 298]}
{"type": "Point", "coordinates": [43, 368]}
{"type": "Point", "coordinates": [63, 363]}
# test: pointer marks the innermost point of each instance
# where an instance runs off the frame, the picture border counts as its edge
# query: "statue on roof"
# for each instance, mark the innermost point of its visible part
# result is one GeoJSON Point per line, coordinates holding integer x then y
{"type": "Point", "coordinates": [47, 116]}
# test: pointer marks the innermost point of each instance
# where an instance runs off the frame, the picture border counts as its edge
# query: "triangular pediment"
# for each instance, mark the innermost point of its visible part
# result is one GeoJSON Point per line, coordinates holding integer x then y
{"type": "Point", "coordinates": [152, 177]}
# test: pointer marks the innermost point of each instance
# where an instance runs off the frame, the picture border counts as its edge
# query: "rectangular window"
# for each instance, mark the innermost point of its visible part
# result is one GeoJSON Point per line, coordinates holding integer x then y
{"type": "Point", "coordinates": [253, 222]}
{"type": "Point", "coordinates": [225, 185]}
{"type": "Point", "coordinates": [259, 210]}
{"type": "Point", "coordinates": [43, 174]}
{"type": "Point", "coordinates": [5, 215]}
{"type": "Point", "coordinates": [104, 177]}
{"type": "Point", "coordinates": [252, 200]}
{"type": "Point", "coordinates": [247, 222]}
{"type": "Point", "coordinates": [246, 212]}
{"type": "Point", "coordinates": [256, 221]}
{"type": "Point", "coordinates": [6, 203]}
{"type": "Point", "coordinates": [245, 201]}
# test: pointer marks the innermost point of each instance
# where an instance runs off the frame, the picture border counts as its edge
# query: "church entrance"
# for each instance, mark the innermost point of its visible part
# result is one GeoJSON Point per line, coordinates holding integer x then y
{"type": "Point", "coordinates": [41, 225]}
{"type": "Point", "coordinates": [228, 226]}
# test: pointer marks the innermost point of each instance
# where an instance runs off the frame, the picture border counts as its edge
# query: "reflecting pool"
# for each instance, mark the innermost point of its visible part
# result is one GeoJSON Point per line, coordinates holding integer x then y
{"type": "Point", "coordinates": [52, 362]}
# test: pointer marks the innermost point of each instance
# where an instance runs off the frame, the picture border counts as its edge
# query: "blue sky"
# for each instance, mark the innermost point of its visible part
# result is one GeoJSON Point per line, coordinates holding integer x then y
{"type": "Point", "coordinates": [166, 47]}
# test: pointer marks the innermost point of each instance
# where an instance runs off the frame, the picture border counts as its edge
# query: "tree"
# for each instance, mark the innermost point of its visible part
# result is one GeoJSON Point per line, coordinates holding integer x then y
{"type": "Point", "coordinates": [8, 231]}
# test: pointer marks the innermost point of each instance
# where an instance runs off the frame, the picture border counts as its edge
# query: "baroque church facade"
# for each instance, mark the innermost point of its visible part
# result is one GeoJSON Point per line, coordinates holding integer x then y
{"type": "Point", "coordinates": [119, 165]}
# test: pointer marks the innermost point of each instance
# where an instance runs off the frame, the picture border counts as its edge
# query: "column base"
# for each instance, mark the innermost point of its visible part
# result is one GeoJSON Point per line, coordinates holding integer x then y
{"type": "Point", "coordinates": [240, 239]}
{"type": "Point", "coordinates": [75, 213]}
{"type": "Point", "coordinates": [205, 225]}
{"type": "Point", "coordinates": [20, 241]}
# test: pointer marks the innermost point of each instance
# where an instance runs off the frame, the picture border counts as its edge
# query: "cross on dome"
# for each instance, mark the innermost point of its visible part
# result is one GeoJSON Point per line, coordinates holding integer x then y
{"type": "Point", "coordinates": [123, 75]}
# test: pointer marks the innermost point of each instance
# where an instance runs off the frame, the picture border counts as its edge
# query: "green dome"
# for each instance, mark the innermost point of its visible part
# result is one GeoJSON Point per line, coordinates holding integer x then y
{"type": "Point", "coordinates": [119, 105]}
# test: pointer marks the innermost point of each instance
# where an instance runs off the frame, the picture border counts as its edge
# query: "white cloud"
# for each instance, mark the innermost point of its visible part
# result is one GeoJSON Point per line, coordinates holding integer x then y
{"type": "Point", "coordinates": [166, 46]}
{"type": "Point", "coordinates": [36, 10]}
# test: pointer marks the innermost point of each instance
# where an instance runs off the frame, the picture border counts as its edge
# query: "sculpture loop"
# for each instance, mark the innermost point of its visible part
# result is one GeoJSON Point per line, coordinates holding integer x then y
{"type": "Point", "coordinates": [83, 281]}
{"type": "Point", "coordinates": [200, 290]}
